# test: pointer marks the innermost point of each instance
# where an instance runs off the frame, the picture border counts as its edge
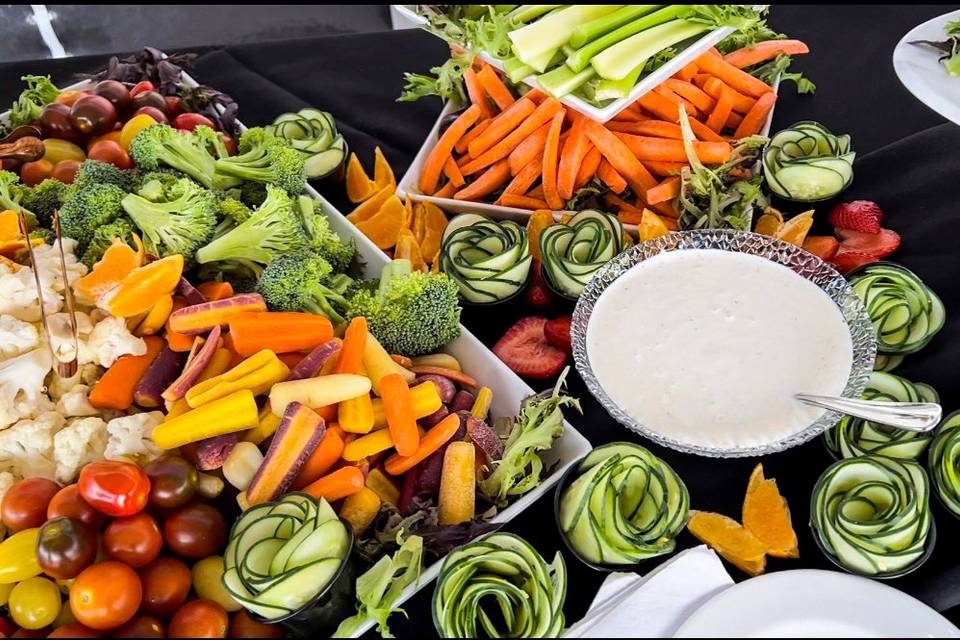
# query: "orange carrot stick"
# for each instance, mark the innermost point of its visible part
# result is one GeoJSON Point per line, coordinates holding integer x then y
{"type": "Point", "coordinates": [645, 148]}
{"type": "Point", "coordinates": [521, 202]}
{"type": "Point", "coordinates": [659, 106]}
{"type": "Point", "coordinates": [495, 88]}
{"type": "Point", "coordinates": [615, 202]}
{"type": "Point", "coordinates": [502, 125]}
{"type": "Point", "coordinates": [735, 78]}
{"type": "Point", "coordinates": [627, 115]}
{"type": "Point", "coordinates": [343, 482]}
{"type": "Point", "coordinates": [763, 51]}
{"type": "Point", "coordinates": [610, 177]}
{"type": "Point", "coordinates": [574, 150]}
{"type": "Point", "coordinates": [739, 102]}
{"type": "Point", "coordinates": [664, 169]}
{"type": "Point", "coordinates": [536, 192]}
{"type": "Point", "coordinates": [551, 160]}
{"type": "Point", "coordinates": [529, 149]}
{"type": "Point", "coordinates": [665, 191]}
{"type": "Point", "coordinates": [734, 120]}
{"type": "Point", "coordinates": [322, 459]}
{"type": "Point", "coordinates": [452, 171]}
{"type": "Point", "coordinates": [753, 122]}
{"type": "Point", "coordinates": [692, 93]}
{"type": "Point", "coordinates": [526, 177]}
{"type": "Point", "coordinates": [115, 388]}
{"type": "Point", "coordinates": [589, 166]}
{"type": "Point", "coordinates": [621, 156]}
{"type": "Point", "coordinates": [476, 94]}
{"type": "Point", "coordinates": [718, 117]}
{"type": "Point", "coordinates": [446, 191]}
{"type": "Point", "coordinates": [477, 129]}
{"type": "Point", "coordinates": [433, 167]}
{"type": "Point", "coordinates": [665, 91]}
{"type": "Point", "coordinates": [705, 133]}
{"type": "Point", "coordinates": [214, 290]}
{"type": "Point", "coordinates": [432, 440]}
{"type": "Point", "coordinates": [350, 359]}
{"type": "Point", "coordinates": [655, 128]}
{"type": "Point", "coordinates": [541, 116]}
{"type": "Point", "coordinates": [687, 72]}
{"type": "Point", "coordinates": [400, 417]}
{"type": "Point", "coordinates": [486, 183]}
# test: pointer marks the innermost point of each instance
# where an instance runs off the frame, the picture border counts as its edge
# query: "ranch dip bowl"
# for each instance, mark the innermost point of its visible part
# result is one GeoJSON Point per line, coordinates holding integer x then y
{"type": "Point", "coordinates": [697, 340]}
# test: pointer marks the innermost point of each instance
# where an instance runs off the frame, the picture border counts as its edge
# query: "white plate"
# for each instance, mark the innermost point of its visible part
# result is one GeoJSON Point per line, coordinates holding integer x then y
{"type": "Point", "coordinates": [921, 72]}
{"type": "Point", "coordinates": [814, 603]}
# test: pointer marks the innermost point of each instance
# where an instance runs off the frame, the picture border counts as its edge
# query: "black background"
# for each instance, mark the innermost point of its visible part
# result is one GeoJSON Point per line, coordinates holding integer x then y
{"type": "Point", "coordinates": [907, 162]}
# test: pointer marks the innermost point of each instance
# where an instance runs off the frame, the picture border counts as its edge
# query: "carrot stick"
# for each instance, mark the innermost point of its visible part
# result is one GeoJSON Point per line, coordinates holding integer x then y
{"type": "Point", "coordinates": [687, 72]}
{"type": "Point", "coordinates": [664, 91]}
{"type": "Point", "coordinates": [739, 102]}
{"type": "Point", "coordinates": [627, 115]}
{"type": "Point", "coordinates": [114, 389]}
{"type": "Point", "coordinates": [732, 76]}
{"type": "Point", "coordinates": [659, 106]}
{"type": "Point", "coordinates": [354, 344]}
{"type": "Point", "coordinates": [734, 120]}
{"type": "Point", "coordinates": [400, 417]}
{"type": "Point", "coordinates": [529, 149]}
{"type": "Point", "coordinates": [476, 94]}
{"type": "Point", "coordinates": [665, 191]}
{"type": "Point", "coordinates": [452, 171]}
{"type": "Point", "coordinates": [718, 117]}
{"type": "Point", "coordinates": [551, 160]}
{"type": "Point", "coordinates": [763, 51]}
{"type": "Point", "coordinates": [495, 88]}
{"type": "Point", "coordinates": [705, 133]}
{"type": "Point", "coordinates": [536, 192]}
{"type": "Point", "coordinates": [664, 169]}
{"type": "Point", "coordinates": [214, 290]}
{"type": "Point", "coordinates": [655, 128]}
{"type": "Point", "coordinates": [753, 122]}
{"type": "Point", "coordinates": [694, 94]}
{"type": "Point", "coordinates": [343, 482]}
{"type": "Point", "coordinates": [574, 150]}
{"type": "Point", "coordinates": [645, 148]}
{"type": "Point", "coordinates": [521, 202]}
{"type": "Point", "coordinates": [670, 223]}
{"type": "Point", "coordinates": [322, 459]}
{"type": "Point", "coordinates": [541, 116]}
{"type": "Point", "coordinates": [433, 167]}
{"type": "Point", "coordinates": [610, 177]}
{"type": "Point", "coordinates": [486, 183]}
{"type": "Point", "coordinates": [621, 156]}
{"type": "Point", "coordinates": [432, 440]}
{"type": "Point", "coordinates": [179, 342]}
{"type": "Point", "coordinates": [589, 166]}
{"type": "Point", "coordinates": [621, 205]}
{"type": "Point", "coordinates": [278, 331]}
{"type": "Point", "coordinates": [446, 191]}
{"type": "Point", "coordinates": [477, 129]}
{"type": "Point", "coordinates": [535, 95]}
{"type": "Point", "coordinates": [502, 125]}
{"type": "Point", "coordinates": [526, 177]}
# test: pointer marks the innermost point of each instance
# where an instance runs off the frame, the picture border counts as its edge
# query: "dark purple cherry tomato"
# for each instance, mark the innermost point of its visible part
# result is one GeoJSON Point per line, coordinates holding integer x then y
{"type": "Point", "coordinates": [174, 106]}
{"type": "Point", "coordinates": [149, 99]}
{"type": "Point", "coordinates": [93, 115]}
{"type": "Point", "coordinates": [173, 481]}
{"type": "Point", "coordinates": [154, 113]}
{"type": "Point", "coordinates": [66, 547]}
{"type": "Point", "coordinates": [195, 531]}
{"type": "Point", "coordinates": [116, 92]}
{"type": "Point", "coordinates": [55, 122]}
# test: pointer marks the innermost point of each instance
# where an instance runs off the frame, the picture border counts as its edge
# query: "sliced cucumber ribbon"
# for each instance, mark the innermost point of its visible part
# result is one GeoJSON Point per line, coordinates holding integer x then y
{"type": "Point", "coordinates": [314, 134]}
{"type": "Point", "coordinates": [489, 260]}
{"type": "Point", "coordinates": [906, 313]}
{"type": "Point", "coordinates": [625, 506]}
{"type": "Point", "coordinates": [806, 162]}
{"type": "Point", "coordinates": [573, 252]}
{"type": "Point", "coordinates": [499, 585]}
{"type": "Point", "coordinates": [944, 462]}
{"type": "Point", "coordinates": [872, 514]}
{"type": "Point", "coordinates": [853, 437]}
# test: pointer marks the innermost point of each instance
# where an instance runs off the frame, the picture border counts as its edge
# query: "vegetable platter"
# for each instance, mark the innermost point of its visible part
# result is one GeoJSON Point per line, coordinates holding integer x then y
{"type": "Point", "coordinates": [608, 109]}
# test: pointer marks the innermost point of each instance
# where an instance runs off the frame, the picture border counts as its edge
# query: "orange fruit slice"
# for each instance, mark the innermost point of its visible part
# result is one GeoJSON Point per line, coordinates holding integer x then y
{"type": "Point", "coordinates": [435, 223]}
{"type": "Point", "coordinates": [143, 287]}
{"type": "Point", "coordinates": [651, 226]}
{"type": "Point", "coordinates": [732, 541]}
{"type": "Point", "coordinates": [369, 207]}
{"type": "Point", "coordinates": [767, 516]}
{"type": "Point", "coordinates": [9, 225]}
{"type": "Point", "coordinates": [407, 213]}
{"type": "Point", "coordinates": [383, 228]}
{"type": "Point", "coordinates": [382, 172]}
{"type": "Point", "coordinates": [769, 223]}
{"type": "Point", "coordinates": [536, 223]}
{"type": "Point", "coordinates": [419, 224]}
{"type": "Point", "coordinates": [408, 248]}
{"type": "Point", "coordinates": [359, 185]}
{"type": "Point", "coordinates": [796, 229]}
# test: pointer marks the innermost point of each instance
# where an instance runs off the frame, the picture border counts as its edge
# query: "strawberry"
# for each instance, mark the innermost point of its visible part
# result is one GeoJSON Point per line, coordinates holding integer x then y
{"type": "Point", "coordinates": [557, 333]}
{"type": "Point", "coordinates": [524, 348]}
{"type": "Point", "coordinates": [859, 215]}
{"type": "Point", "coordinates": [537, 294]}
{"type": "Point", "coordinates": [878, 245]}
{"type": "Point", "coordinates": [824, 247]}
{"type": "Point", "coordinates": [846, 260]}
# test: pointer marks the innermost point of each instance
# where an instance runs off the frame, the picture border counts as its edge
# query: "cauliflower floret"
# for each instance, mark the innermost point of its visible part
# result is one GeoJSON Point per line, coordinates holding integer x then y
{"type": "Point", "coordinates": [47, 260]}
{"type": "Point", "coordinates": [78, 443]}
{"type": "Point", "coordinates": [61, 335]}
{"type": "Point", "coordinates": [18, 295]}
{"type": "Point", "coordinates": [131, 436]}
{"type": "Point", "coordinates": [26, 448]}
{"type": "Point", "coordinates": [21, 386]}
{"type": "Point", "coordinates": [109, 340]}
{"type": "Point", "coordinates": [76, 402]}
{"type": "Point", "coordinates": [17, 336]}
{"type": "Point", "coordinates": [7, 480]}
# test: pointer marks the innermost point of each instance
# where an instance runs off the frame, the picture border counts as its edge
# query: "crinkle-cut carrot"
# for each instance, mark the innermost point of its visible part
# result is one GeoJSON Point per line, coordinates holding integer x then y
{"type": "Point", "coordinates": [621, 156]}
{"type": "Point", "coordinates": [589, 166]}
{"type": "Point", "coordinates": [655, 128]}
{"type": "Point", "coordinates": [718, 117]}
{"type": "Point", "coordinates": [526, 177]}
{"type": "Point", "coordinates": [735, 78]}
{"type": "Point", "coordinates": [667, 93]}
{"type": "Point", "coordinates": [763, 51]}
{"type": "Point", "coordinates": [501, 126]}
{"type": "Point", "coordinates": [664, 169]}
{"type": "Point", "coordinates": [519, 201]}
{"type": "Point", "coordinates": [715, 88]}
{"type": "Point", "coordinates": [452, 171]}
{"type": "Point", "coordinates": [610, 177]}
{"type": "Point", "coordinates": [529, 149]}
{"type": "Point", "coordinates": [541, 116]}
{"type": "Point", "coordinates": [433, 167]}
{"type": "Point", "coordinates": [486, 183]}
{"type": "Point", "coordinates": [687, 72]}
{"type": "Point", "coordinates": [659, 106]}
{"type": "Point", "coordinates": [476, 94]}
{"type": "Point", "coordinates": [495, 88]}
{"type": "Point", "coordinates": [446, 191]}
{"type": "Point", "coordinates": [646, 148]}
{"type": "Point", "coordinates": [551, 161]}
{"type": "Point", "coordinates": [477, 129]}
{"type": "Point", "coordinates": [666, 190]}
{"type": "Point", "coordinates": [692, 93]}
{"type": "Point", "coordinates": [571, 157]}
{"type": "Point", "coordinates": [753, 122]}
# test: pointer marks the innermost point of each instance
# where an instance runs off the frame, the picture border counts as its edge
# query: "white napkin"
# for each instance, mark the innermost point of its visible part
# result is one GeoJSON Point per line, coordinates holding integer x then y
{"type": "Point", "coordinates": [632, 606]}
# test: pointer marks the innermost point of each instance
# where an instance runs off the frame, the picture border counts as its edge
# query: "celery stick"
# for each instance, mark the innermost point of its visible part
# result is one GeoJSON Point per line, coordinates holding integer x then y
{"type": "Point", "coordinates": [596, 28]}
{"type": "Point", "coordinates": [544, 61]}
{"type": "Point", "coordinates": [580, 60]}
{"type": "Point", "coordinates": [504, 8]}
{"type": "Point", "coordinates": [616, 62]}
{"type": "Point", "coordinates": [617, 89]}
{"type": "Point", "coordinates": [549, 33]}
{"type": "Point", "coordinates": [516, 70]}
{"type": "Point", "coordinates": [526, 12]}
{"type": "Point", "coordinates": [562, 80]}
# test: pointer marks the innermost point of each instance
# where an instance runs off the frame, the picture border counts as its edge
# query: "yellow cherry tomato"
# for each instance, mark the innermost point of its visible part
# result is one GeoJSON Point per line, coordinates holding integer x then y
{"type": "Point", "coordinates": [56, 150]}
{"type": "Point", "coordinates": [134, 125]}
{"type": "Point", "coordinates": [35, 603]}
{"type": "Point", "coordinates": [18, 556]}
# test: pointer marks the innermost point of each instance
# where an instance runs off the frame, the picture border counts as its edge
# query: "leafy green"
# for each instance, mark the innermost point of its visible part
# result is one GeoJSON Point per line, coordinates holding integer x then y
{"type": "Point", "coordinates": [770, 71]}
{"type": "Point", "coordinates": [744, 18]}
{"type": "Point", "coordinates": [952, 29]}
{"type": "Point", "coordinates": [39, 93]}
{"type": "Point", "coordinates": [655, 62]}
{"type": "Point", "coordinates": [379, 588]}
{"type": "Point", "coordinates": [950, 48]}
{"type": "Point", "coordinates": [491, 33]}
{"type": "Point", "coordinates": [749, 34]}
{"type": "Point", "coordinates": [446, 81]}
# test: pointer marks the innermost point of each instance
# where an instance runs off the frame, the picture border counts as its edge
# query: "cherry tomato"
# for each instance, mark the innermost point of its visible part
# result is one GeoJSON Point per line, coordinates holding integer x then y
{"type": "Point", "coordinates": [174, 106]}
{"type": "Point", "coordinates": [141, 627]}
{"type": "Point", "coordinates": [114, 488]}
{"type": "Point", "coordinates": [35, 603]}
{"type": "Point", "coordinates": [55, 150]}
{"type": "Point", "coordinates": [65, 171]}
{"type": "Point", "coordinates": [195, 531]}
{"type": "Point", "coordinates": [208, 582]}
{"type": "Point", "coordinates": [18, 556]}
{"type": "Point", "coordinates": [244, 626]}
{"type": "Point", "coordinates": [93, 115]}
{"type": "Point", "coordinates": [199, 619]}
{"type": "Point", "coordinates": [11, 164]}
{"type": "Point", "coordinates": [35, 172]}
{"type": "Point", "coordinates": [66, 547]}
{"type": "Point", "coordinates": [25, 503]}
{"type": "Point", "coordinates": [153, 112]}
{"type": "Point", "coordinates": [190, 121]}
{"type": "Point", "coordinates": [140, 87]}
{"type": "Point", "coordinates": [7, 628]}
{"type": "Point", "coordinates": [173, 481]}
{"type": "Point", "coordinates": [73, 630]}
{"type": "Point", "coordinates": [29, 633]}
{"type": "Point", "coordinates": [111, 152]}
{"type": "Point", "coordinates": [133, 126]}
{"type": "Point", "coordinates": [67, 502]}
{"type": "Point", "coordinates": [133, 540]}
{"type": "Point", "coordinates": [149, 99]}
{"type": "Point", "coordinates": [229, 143]}
{"type": "Point", "coordinates": [166, 585]}
{"type": "Point", "coordinates": [68, 97]}
{"type": "Point", "coordinates": [116, 93]}
{"type": "Point", "coordinates": [55, 122]}
{"type": "Point", "coordinates": [113, 135]}
{"type": "Point", "coordinates": [105, 595]}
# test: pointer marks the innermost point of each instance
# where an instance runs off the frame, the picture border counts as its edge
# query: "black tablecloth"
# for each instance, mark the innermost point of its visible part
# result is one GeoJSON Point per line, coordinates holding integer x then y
{"type": "Point", "coordinates": [906, 162]}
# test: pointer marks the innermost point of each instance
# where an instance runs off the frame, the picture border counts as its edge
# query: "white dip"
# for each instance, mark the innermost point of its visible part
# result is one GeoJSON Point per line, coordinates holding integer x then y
{"type": "Point", "coordinates": [707, 347]}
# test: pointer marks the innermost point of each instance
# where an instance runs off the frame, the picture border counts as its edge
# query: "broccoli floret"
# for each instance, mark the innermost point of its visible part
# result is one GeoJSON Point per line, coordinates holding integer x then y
{"type": "Point", "coordinates": [273, 229]}
{"type": "Point", "coordinates": [180, 224]}
{"type": "Point", "coordinates": [43, 234]}
{"type": "Point", "coordinates": [88, 209]}
{"type": "Point", "coordinates": [160, 146]}
{"type": "Point", "coordinates": [267, 159]}
{"type": "Point", "coordinates": [253, 194]}
{"type": "Point", "coordinates": [235, 210]}
{"type": "Point", "coordinates": [411, 313]}
{"type": "Point", "coordinates": [103, 237]}
{"type": "Point", "coordinates": [44, 198]}
{"type": "Point", "coordinates": [323, 239]}
{"type": "Point", "coordinates": [95, 172]}
{"type": "Point", "coordinates": [304, 281]}
{"type": "Point", "coordinates": [242, 274]}
{"type": "Point", "coordinates": [11, 193]}
{"type": "Point", "coordinates": [212, 141]}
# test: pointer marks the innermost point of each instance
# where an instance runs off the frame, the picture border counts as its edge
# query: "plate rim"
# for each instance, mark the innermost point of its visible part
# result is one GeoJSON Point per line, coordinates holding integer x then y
{"type": "Point", "coordinates": [934, 101]}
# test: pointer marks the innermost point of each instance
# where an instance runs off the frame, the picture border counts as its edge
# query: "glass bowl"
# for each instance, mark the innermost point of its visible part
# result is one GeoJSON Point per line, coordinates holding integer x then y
{"type": "Point", "coordinates": [805, 264]}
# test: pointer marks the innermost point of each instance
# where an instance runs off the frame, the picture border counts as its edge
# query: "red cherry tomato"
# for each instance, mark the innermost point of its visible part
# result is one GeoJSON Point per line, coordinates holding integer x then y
{"type": "Point", "coordinates": [134, 540]}
{"type": "Point", "coordinates": [141, 627]}
{"type": "Point", "coordinates": [229, 143]}
{"type": "Point", "coordinates": [195, 531]}
{"type": "Point", "coordinates": [154, 113]}
{"type": "Point", "coordinates": [166, 585]}
{"type": "Point", "coordinates": [111, 152]}
{"type": "Point", "coordinates": [67, 502]}
{"type": "Point", "coordinates": [174, 106]}
{"type": "Point", "coordinates": [25, 503]}
{"type": "Point", "coordinates": [243, 626]}
{"type": "Point", "coordinates": [190, 121]}
{"type": "Point", "coordinates": [65, 171]}
{"type": "Point", "coordinates": [114, 488]}
{"type": "Point", "coordinates": [73, 630]}
{"type": "Point", "coordinates": [199, 619]}
{"type": "Point", "coordinates": [140, 87]}
{"type": "Point", "coordinates": [35, 172]}
{"type": "Point", "coordinates": [105, 595]}
{"type": "Point", "coordinates": [68, 97]}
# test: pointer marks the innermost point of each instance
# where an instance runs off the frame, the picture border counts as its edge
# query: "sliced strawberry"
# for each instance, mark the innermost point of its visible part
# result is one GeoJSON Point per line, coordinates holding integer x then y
{"type": "Point", "coordinates": [824, 247]}
{"type": "Point", "coordinates": [537, 294]}
{"type": "Point", "coordinates": [846, 260]}
{"type": "Point", "coordinates": [557, 333]}
{"type": "Point", "coordinates": [859, 215]}
{"type": "Point", "coordinates": [878, 245]}
{"type": "Point", "coordinates": [524, 348]}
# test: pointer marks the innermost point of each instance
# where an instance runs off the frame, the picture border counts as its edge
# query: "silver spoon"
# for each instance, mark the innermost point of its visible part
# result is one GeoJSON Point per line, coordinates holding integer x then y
{"type": "Point", "coordinates": [911, 416]}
